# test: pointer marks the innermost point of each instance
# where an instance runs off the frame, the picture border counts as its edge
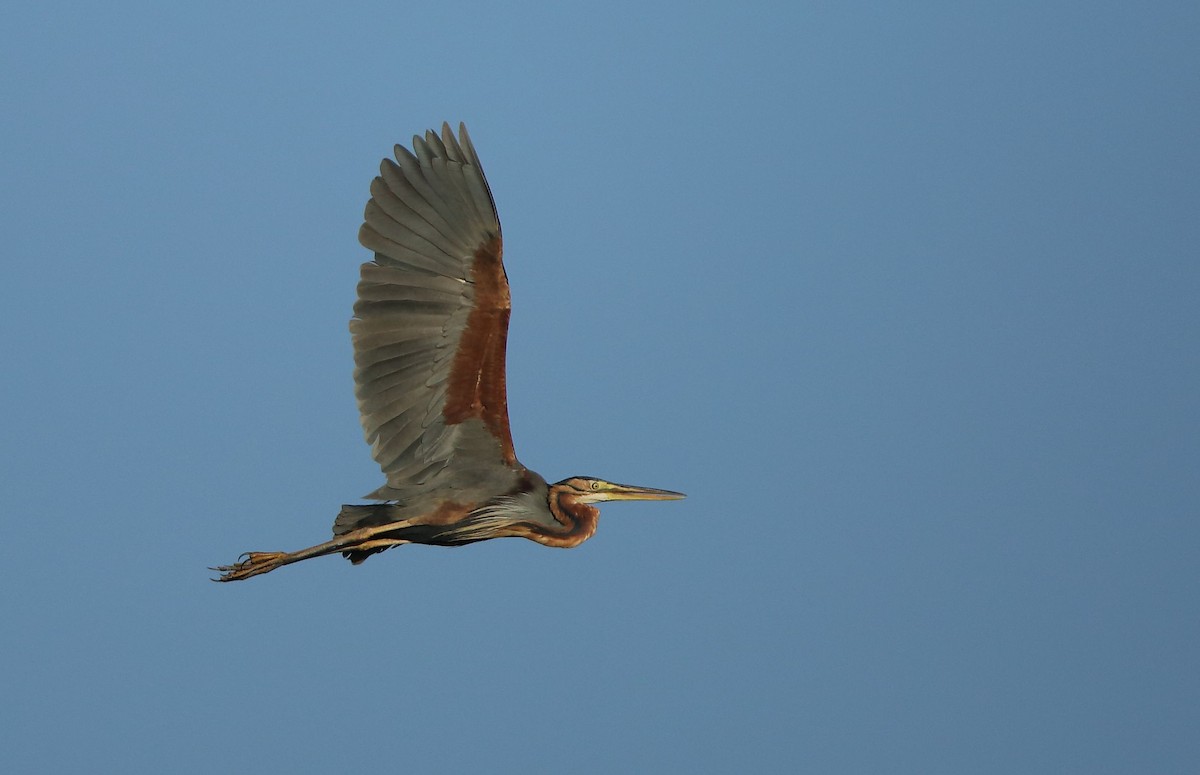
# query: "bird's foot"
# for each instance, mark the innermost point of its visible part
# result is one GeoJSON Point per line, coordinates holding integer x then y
{"type": "Point", "coordinates": [250, 564]}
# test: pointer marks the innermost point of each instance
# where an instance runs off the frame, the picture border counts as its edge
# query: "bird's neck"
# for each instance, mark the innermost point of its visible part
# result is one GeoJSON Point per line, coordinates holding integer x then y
{"type": "Point", "coordinates": [577, 521]}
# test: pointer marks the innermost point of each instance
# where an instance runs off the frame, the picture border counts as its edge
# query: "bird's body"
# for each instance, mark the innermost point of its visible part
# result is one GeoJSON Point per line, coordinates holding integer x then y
{"type": "Point", "coordinates": [429, 330]}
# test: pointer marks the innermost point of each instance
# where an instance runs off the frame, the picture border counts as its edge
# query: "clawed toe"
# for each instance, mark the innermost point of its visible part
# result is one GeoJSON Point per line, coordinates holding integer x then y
{"type": "Point", "coordinates": [249, 564]}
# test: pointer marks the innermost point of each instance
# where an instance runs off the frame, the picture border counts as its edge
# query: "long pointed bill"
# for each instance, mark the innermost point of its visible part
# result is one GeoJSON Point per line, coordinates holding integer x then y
{"type": "Point", "coordinates": [624, 492]}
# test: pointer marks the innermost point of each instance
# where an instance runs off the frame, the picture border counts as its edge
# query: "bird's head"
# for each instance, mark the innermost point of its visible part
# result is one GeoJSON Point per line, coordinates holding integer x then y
{"type": "Point", "coordinates": [587, 489]}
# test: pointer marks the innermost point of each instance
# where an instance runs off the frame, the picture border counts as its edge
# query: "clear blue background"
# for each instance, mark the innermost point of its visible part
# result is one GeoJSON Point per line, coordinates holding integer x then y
{"type": "Point", "coordinates": [904, 296]}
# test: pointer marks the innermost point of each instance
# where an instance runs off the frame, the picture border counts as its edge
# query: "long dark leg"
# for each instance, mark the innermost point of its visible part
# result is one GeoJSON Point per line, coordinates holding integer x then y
{"type": "Point", "coordinates": [257, 563]}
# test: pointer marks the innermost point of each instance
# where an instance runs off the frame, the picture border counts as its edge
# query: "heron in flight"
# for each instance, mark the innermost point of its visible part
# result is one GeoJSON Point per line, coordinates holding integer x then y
{"type": "Point", "coordinates": [429, 330]}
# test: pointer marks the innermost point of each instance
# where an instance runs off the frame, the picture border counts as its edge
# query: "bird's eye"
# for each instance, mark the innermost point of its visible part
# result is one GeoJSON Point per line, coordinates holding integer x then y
{"type": "Point", "coordinates": [595, 485]}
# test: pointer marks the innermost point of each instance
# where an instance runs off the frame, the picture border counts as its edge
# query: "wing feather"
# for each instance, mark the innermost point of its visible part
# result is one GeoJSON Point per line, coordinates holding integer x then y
{"type": "Point", "coordinates": [430, 324]}
{"type": "Point", "coordinates": [393, 175]}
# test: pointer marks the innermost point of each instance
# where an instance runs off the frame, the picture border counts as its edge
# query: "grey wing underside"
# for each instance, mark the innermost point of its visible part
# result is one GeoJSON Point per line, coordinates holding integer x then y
{"type": "Point", "coordinates": [429, 213]}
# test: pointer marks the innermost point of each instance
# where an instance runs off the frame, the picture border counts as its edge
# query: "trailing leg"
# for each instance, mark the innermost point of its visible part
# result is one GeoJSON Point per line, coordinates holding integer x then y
{"type": "Point", "coordinates": [256, 563]}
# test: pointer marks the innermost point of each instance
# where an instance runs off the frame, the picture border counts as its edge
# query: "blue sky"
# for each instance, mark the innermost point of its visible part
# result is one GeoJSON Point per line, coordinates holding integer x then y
{"type": "Point", "coordinates": [904, 297]}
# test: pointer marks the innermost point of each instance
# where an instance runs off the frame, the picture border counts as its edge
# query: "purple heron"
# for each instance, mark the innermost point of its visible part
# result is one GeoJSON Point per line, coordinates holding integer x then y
{"type": "Point", "coordinates": [429, 330]}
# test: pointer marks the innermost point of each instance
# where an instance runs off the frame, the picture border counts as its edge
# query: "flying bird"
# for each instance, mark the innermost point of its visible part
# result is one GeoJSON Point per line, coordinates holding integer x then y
{"type": "Point", "coordinates": [429, 330]}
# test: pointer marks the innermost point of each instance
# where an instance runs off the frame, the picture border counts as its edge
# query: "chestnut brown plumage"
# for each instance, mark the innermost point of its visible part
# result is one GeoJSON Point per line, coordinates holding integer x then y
{"type": "Point", "coordinates": [429, 330]}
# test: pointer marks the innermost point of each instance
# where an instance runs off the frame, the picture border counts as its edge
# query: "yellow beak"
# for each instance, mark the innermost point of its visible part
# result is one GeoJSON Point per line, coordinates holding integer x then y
{"type": "Point", "coordinates": [608, 491]}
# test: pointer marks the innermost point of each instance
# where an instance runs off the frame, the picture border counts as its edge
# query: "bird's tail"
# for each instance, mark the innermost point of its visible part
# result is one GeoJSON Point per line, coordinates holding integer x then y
{"type": "Point", "coordinates": [352, 517]}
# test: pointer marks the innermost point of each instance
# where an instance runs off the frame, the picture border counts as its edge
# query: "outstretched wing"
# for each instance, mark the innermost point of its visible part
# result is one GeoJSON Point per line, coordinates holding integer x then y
{"type": "Point", "coordinates": [431, 322]}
